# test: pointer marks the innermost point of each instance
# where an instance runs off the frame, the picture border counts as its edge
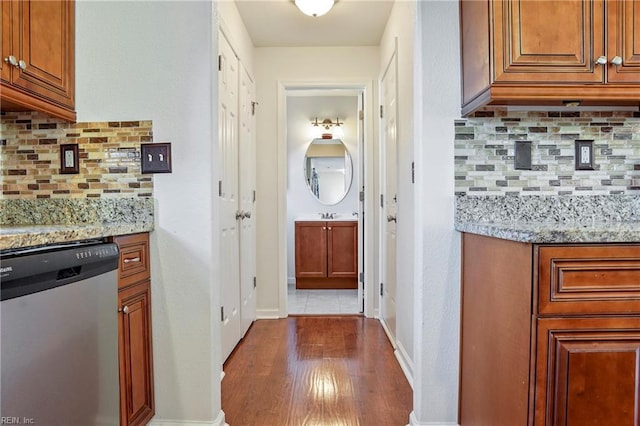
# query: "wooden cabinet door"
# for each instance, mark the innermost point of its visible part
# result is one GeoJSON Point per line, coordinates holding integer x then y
{"type": "Point", "coordinates": [342, 250]}
{"type": "Point", "coordinates": [311, 249]}
{"type": "Point", "coordinates": [623, 40]}
{"type": "Point", "coordinates": [135, 353]}
{"type": "Point", "coordinates": [5, 40]}
{"type": "Point", "coordinates": [587, 371]}
{"type": "Point", "coordinates": [44, 39]}
{"type": "Point", "coordinates": [548, 41]}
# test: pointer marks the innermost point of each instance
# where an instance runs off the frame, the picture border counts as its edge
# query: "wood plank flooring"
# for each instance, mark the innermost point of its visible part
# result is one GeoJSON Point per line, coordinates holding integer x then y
{"type": "Point", "coordinates": [315, 371]}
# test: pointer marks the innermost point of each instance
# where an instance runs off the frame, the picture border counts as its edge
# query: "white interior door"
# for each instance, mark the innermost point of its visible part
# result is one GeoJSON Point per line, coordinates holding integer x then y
{"type": "Point", "coordinates": [390, 198]}
{"type": "Point", "coordinates": [361, 217]}
{"type": "Point", "coordinates": [247, 200]}
{"type": "Point", "coordinates": [228, 192]}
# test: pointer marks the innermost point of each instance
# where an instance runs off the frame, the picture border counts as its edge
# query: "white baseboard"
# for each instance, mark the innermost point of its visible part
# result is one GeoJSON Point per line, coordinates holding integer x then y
{"type": "Point", "coordinates": [388, 333]}
{"type": "Point", "coordinates": [267, 313]}
{"type": "Point", "coordinates": [219, 421]}
{"type": "Point", "coordinates": [414, 422]}
{"type": "Point", "coordinates": [405, 361]}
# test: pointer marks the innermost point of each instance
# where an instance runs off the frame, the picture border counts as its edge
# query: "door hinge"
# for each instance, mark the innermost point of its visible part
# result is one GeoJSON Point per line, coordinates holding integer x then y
{"type": "Point", "coordinates": [361, 277]}
{"type": "Point", "coordinates": [219, 62]}
{"type": "Point", "coordinates": [382, 200]}
{"type": "Point", "coordinates": [219, 188]}
{"type": "Point", "coordinates": [253, 107]}
{"type": "Point", "coordinates": [413, 172]}
{"type": "Point", "coordinates": [381, 111]}
{"type": "Point", "coordinates": [381, 289]}
{"type": "Point", "coordinates": [361, 115]}
{"type": "Point", "coordinates": [254, 282]}
{"type": "Point", "coordinates": [254, 195]}
{"type": "Point", "coordinates": [361, 195]}
{"type": "Point", "coordinates": [222, 313]}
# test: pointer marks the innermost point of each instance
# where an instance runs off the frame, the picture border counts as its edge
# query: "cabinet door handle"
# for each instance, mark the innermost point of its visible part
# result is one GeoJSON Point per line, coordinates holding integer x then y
{"type": "Point", "coordinates": [22, 65]}
{"type": "Point", "coordinates": [132, 259]}
{"type": "Point", "coordinates": [247, 215]}
{"type": "Point", "coordinates": [617, 60]}
{"type": "Point", "coordinates": [329, 228]}
{"type": "Point", "coordinates": [124, 310]}
{"type": "Point", "coordinates": [11, 60]}
{"type": "Point", "coordinates": [391, 219]}
{"type": "Point", "coordinates": [239, 215]}
{"type": "Point", "coordinates": [602, 60]}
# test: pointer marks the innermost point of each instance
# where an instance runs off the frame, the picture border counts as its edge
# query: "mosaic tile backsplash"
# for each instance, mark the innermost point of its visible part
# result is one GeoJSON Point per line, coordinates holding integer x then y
{"type": "Point", "coordinates": [109, 158]}
{"type": "Point", "coordinates": [485, 144]}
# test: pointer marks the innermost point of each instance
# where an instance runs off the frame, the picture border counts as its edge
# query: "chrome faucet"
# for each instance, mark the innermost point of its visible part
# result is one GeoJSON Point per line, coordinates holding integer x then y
{"type": "Point", "coordinates": [327, 215]}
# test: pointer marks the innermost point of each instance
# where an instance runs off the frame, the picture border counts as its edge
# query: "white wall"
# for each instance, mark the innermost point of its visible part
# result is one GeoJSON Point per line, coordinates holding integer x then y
{"type": "Point", "coordinates": [437, 298]}
{"type": "Point", "coordinates": [400, 27]}
{"type": "Point", "coordinates": [300, 202]}
{"type": "Point", "coordinates": [302, 65]}
{"type": "Point", "coordinates": [155, 60]}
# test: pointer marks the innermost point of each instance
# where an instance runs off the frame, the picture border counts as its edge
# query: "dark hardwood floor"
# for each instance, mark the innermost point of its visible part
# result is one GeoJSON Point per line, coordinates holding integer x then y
{"type": "Point", "coordinates": [315, 371]}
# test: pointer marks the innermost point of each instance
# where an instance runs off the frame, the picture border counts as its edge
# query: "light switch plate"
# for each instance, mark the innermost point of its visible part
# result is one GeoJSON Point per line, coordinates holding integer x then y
{"type": "Point", "coordinates": [155, 157]}
{"type": "Point", "coordinates": [584, 154]}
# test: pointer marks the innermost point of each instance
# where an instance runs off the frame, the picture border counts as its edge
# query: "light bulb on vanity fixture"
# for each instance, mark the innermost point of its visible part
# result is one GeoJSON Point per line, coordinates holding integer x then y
{"type": "Point", "coordinates": [314, 8]}
{"type": "Point", "coordinates": [328, 133]}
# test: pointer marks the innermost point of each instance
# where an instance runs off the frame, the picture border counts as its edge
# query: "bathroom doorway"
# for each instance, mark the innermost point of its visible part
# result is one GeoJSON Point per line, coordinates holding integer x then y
{"type": "Point", "coordinates": [325, 171]}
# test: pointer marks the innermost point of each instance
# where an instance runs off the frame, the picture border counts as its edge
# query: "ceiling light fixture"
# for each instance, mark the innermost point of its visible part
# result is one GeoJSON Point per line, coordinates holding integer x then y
{"type": "Point", "coordinates": [314, 7]}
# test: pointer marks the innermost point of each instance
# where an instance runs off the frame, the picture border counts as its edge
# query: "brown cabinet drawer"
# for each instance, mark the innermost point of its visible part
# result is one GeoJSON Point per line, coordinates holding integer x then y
{"type": "Point", "coordinates": [134, 258]}
{"type": "Point", "coordinates": [590, 279]}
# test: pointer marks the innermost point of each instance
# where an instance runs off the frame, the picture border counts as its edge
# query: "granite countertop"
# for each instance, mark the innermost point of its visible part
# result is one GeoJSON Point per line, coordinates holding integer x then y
{"type": "Point", "coordinates": [554, 232]}
{"type": "Point", "coordinates": [37, 222]}
{"type": "Point", "coordinates": [18, 236]}
{"type": "Point", "coordinates": [551, 219]}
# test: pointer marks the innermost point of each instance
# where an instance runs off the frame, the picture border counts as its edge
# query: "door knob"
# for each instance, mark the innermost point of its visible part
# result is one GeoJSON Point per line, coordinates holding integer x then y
{"type": "Point", "coordinates": [602, 60]}
{"type": "Point", "coordinates": [617, 60]}
{"type": "Point", "coordinates": [391, 219]}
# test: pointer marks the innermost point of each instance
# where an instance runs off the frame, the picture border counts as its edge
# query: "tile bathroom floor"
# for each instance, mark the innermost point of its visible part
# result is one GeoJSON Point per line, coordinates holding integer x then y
{"type": "Point", "coordinates": [322, 301]}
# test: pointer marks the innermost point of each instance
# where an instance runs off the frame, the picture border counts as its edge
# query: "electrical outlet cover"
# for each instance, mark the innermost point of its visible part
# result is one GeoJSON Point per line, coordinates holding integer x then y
{"type": "Point", "coordinates": [522, 159]}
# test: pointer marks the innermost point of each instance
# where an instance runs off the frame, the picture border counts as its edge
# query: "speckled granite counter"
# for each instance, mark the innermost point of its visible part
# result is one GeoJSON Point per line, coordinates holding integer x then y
{"type": "Point", "coordinates": [536, 219]}
{"type": "Point", "coordinates": [553, 232]}
{"type": "Point", "coordinates": [27, 223]}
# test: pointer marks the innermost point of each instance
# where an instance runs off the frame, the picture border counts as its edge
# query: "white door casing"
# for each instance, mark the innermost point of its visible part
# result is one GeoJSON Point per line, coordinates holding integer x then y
{"type": "Point", "coordinates": [228, 192]}
{"type": "Point", "coordinates": [389, 191]}
{"type": "Point", "coordinates": [247, 167]}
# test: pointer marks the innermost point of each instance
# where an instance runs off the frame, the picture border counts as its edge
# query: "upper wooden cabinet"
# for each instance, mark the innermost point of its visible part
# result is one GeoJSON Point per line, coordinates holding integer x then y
{"type": "Point", "coordinates": [38, 57]}
{"type": "Point", "coordinates": [547, 52]}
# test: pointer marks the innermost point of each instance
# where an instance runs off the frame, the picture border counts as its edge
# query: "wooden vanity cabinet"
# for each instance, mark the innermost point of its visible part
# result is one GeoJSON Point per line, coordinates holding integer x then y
{"type": "Point", "coordinates": [38, 57]}
{"type": "Point", "coordinates": [550, 333]}
{"type": "Point", "coordinates": [326, 254]}
{"type": "Point", "coordinates": [135, 348]}
{"type": "Point", "coordinates": [547, 52]}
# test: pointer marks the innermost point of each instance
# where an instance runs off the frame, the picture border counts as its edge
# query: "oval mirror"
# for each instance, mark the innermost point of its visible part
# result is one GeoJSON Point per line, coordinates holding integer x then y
{"type": "Point", "coordinates": [328, 170]}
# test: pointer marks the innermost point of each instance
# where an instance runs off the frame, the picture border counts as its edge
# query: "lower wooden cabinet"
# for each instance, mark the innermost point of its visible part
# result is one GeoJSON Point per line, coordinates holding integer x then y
{"type": "Point", "coordinates": [135, 348]}
{"type": "Point", "coordinates": [550, 333]}
{"type": "Point", "coordinates": [326, 254]}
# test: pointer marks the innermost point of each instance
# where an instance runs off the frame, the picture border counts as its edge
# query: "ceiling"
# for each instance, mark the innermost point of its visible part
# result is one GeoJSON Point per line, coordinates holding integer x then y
{"type": "Point", "coordinates": [348, 23]}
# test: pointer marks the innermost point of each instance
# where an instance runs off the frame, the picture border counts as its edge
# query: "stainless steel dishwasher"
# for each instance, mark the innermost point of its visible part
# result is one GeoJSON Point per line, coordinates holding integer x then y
{"type": "Point", "coordinates": [59, 334]}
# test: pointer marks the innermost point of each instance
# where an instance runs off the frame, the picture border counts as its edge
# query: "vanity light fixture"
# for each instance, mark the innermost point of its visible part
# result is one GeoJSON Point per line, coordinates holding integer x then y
{"type": "Point", "coordinates": [327, 123]}
{"type": "Point", "coordinates": [314, 8]}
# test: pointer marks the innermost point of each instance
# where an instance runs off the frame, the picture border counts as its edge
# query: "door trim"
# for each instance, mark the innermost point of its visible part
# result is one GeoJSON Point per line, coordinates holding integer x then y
{"type": "Point", "coordinates": [370, 135]}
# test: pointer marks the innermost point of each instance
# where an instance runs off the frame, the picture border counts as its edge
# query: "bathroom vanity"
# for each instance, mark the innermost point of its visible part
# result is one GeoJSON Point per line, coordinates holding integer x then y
{"type": "Point", "coordinates": [326, 254]}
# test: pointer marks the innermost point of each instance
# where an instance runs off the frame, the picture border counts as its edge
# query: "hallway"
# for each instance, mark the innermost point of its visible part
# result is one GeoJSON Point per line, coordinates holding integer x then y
{"type": "Point", "coordinates": [320, 371]}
